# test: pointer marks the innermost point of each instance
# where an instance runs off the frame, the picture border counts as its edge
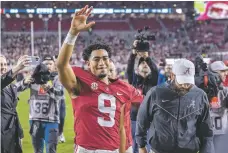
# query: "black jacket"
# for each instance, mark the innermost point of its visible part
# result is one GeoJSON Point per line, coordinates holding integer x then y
{"type": "Point", "coordinates": [175, 123]}
{"type": "Point", "coordinates": [139, 82]}
{"type": "Point", "coordinates": [11, 131]}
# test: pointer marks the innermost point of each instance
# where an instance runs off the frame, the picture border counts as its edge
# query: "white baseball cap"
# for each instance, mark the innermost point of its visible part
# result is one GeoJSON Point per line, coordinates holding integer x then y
{"type": "Point", "coordinates": [218, 66]}
{"type": "Point", "coordinates": [184, 71]}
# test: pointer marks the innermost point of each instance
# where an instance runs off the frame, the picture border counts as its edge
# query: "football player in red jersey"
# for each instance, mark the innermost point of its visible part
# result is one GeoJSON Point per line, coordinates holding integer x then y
{"type": "Point", "coordinates": [99, 103]}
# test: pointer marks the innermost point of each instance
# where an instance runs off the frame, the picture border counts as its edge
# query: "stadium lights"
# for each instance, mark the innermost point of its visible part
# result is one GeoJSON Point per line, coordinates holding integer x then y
{"type": "Point", "coordinates": [101, 15]}
{"type": "Point", "coordinates": [162, 16]}
{"type": "Point", "coordinates": [30, 16]}
{"type": "Point", "coordinates": [55, 10]}
{"type": "Point", "coordinates": [179, 10]}
{"type": "Point", "coordinates": [132, 15]}
{"type": "Point", "coordinates": [40, 15]}
{"type": "Point", "coordinates": [7, 15]}
{"type": "Point", "coordinates": [59, 15]}
{"type": "Point", "coordinates": [17, 15]}
{"type": "Point", "coordinates": [122, 15]}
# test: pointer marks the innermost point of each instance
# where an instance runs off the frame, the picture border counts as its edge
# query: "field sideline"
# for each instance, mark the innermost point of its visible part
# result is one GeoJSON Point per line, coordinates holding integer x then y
{"type": "Point", "coordinates": [23, 111]}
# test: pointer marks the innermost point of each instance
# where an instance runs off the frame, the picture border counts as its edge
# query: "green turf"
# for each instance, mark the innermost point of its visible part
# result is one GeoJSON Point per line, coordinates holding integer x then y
{"type": "Point", "coordinates": [23, 111]}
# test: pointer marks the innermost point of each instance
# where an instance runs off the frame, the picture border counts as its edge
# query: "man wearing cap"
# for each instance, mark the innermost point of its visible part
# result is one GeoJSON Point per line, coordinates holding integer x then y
{"type": "Point", "coordinates": [44, 109]}
{"type": "Point", "coordinates": [176, 115]}
{"type": "Point", "coordinates": [145, 78]}
{"type": "Point", "coordinates": [219, 112]}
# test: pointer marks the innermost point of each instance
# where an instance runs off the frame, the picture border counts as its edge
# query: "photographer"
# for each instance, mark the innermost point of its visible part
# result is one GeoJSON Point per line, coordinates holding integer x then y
{"type": "Point", "coordinates": [46, 93]}
{"type": "Point", "coordinates": [11, 131]}
{"type": "Point", "coordinates": [145, 78]}
{"type": "Point", "coordinates": [219, 109]}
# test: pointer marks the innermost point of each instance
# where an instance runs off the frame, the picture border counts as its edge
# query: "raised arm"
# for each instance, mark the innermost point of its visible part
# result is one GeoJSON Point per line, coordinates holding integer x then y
{"type": "Point", "coordinates": [130, 68]}
{"type": "Point", "coordinates": [66, 74]}
{"type": "Point", "coordinates": [9, 77]}
{"type": "Point", "coordinates": [154, 71]}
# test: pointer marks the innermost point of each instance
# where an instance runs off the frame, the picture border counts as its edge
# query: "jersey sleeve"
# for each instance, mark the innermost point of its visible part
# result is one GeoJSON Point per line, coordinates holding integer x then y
{"type": "Point", "coordinates": [83, 75]}
{"type": "Point", "coordinates": [136, 95]}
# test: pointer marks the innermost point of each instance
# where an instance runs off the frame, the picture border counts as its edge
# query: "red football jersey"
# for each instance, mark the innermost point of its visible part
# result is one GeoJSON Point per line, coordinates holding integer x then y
{"type": "Point", "coordinates": [97, 110]}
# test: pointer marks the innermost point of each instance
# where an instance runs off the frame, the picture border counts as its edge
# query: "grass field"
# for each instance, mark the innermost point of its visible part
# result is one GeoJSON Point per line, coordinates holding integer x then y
{"type": "Point", "coordinates": [23, 111]}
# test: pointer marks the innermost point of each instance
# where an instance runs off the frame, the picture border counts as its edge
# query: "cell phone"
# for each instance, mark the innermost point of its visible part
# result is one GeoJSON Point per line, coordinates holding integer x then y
{"type": "Point", "coordinates": [35, 60]}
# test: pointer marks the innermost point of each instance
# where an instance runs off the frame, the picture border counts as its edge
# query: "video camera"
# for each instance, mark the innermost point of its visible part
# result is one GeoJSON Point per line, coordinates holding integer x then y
{"type": "Point", "coordinates": [143, 36]}
{"type": "Point", "coordinates": [207, 80]}
{"type": "Point", "coordinates": [41, 74]}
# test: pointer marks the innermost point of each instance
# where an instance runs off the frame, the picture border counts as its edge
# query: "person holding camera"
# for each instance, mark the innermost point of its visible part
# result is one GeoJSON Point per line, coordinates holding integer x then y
{"type": "Point", "coordinates": [219, 109]}
{"type": "Point", "coordinates": [175, 115]}
{"type": "Point", "coordinates": [46, 93]}
{"type": "Point", "coordinates": [145, 77]}
{"type": "Point", "coordinates": [11, 130]}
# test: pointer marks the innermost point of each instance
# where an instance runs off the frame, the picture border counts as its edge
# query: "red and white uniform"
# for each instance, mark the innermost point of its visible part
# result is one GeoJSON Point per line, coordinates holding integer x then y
{"type": "Point", "coordinates": [97, 110]}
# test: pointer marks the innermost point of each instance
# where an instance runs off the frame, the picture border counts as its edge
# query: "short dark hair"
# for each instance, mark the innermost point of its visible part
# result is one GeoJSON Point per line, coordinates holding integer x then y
{"type": "Point", "coordinates": [48, 58]}
{"type": "Point", "coordinates": [87, 52]}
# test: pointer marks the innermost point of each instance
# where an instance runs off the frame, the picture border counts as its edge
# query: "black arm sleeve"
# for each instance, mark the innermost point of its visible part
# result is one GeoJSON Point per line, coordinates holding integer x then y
{"type": "Point", "coordinates": [130, 68]}
{"type": "Point", "coordinates": [154, 71]}
{"type": "Point", "coordinates": [6, 79]}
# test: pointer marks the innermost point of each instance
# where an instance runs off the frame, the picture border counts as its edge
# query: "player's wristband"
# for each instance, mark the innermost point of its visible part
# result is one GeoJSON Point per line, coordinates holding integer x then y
{"type": "Point", "coordinates": [70, 39]}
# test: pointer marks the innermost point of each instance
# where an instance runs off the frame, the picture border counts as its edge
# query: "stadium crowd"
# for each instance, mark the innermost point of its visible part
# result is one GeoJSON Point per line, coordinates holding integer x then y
{"type": "Point", "coordinates": [167, 44]}
{"type": "Point", "coordinates": [100, 4]}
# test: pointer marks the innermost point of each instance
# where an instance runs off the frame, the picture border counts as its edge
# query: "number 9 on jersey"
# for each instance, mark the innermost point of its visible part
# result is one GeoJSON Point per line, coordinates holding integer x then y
{"type": "Point", "coordinates": [110, 110]}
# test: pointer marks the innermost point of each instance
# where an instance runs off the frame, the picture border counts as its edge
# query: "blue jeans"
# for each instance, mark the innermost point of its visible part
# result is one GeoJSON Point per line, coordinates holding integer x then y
{"type": "Point", "coordinates": [135, 146]}
{"type": "Point", "coordinates": [62, 115]}
{"type": "Point", "coordinates": [48, 133]}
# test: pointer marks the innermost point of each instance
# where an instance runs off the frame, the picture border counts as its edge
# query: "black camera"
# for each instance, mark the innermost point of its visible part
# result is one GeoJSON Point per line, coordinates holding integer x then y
{"type": "Point", "coordinates": [143, 36]}
{"type": "Point", "coordinates": [41, 74]}
{"type": "Point", "coordinates": [207, 80]}
{"type": "Point", "coordinates": [200, 65]}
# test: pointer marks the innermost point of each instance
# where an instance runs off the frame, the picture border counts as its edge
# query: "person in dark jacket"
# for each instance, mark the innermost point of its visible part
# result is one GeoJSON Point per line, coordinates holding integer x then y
{"type": "Point", "coordinates": [145, 78]}
{"type": "Point", "coordinates": [176, 115]}
{"type": "Point", "coordinates": [219, 109]}
{"type": "Point", "coordinates": [11, 131]}
{"type": "Point", "coordinates": [133, 64]}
